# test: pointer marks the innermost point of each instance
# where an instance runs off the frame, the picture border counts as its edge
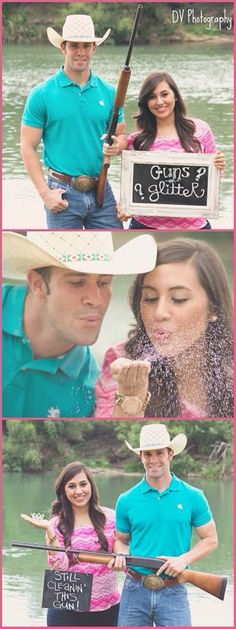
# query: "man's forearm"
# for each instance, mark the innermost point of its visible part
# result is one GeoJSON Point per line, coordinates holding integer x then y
{"type": "Point", "coordinates": [34, 169]}
{"type": "Point", "coordinates": [52, 198]}
{"type": "Point", "coordinates": [207, 543]}
{"type": "Point", "coordinates": [200, 550]}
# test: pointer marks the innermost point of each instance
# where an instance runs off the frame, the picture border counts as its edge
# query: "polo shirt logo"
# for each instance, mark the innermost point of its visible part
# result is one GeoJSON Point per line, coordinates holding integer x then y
{"type": "Point", "coordinates": [54, 411]}
{"type": "Point", "coordinates": [85, 257]}
{"type": "Point", "coordinates": [101, 102]}
{"type": "Point", "coordinates": [180, 506]}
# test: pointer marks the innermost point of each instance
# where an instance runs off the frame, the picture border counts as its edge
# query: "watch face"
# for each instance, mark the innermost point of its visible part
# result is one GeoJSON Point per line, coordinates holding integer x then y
{"type": "Point", "coordinates": [131, 405]}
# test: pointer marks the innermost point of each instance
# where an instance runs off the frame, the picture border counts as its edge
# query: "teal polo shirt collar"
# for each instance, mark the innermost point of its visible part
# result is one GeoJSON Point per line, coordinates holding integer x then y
{"type": "Point", "coordinates": [65, 80]}
{"type": "Point", "coordinates": [175, 485]}
{"type": "Point", "coordinates": [12, 319]}
{"type": "Point", "coordinates": [70, 363]}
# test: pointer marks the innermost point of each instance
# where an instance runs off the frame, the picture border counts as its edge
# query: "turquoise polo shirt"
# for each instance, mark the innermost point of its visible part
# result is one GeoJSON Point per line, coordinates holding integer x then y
{"type": "Point", "coordinates": [160, 523]}
{"type": "Point", "coordinates": [61, 386]}
{"type": "Point", "coordinates": [73, 119]}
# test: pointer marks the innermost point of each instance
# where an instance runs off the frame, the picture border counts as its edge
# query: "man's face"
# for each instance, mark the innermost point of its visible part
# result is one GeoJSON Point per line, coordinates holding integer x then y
{"type": "Point", "coordinates": [156, 463]}
{"type": "Point", "coordinates": [77, 56]}
{"type": "Point", "coordinates": [74, 304]}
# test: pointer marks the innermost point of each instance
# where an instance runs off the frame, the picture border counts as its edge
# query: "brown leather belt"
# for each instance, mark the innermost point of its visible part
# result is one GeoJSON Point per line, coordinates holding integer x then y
{"type": "Point", "coordinates": [82, 183]}
{"type": "Point", "coordinates": [152, 581]}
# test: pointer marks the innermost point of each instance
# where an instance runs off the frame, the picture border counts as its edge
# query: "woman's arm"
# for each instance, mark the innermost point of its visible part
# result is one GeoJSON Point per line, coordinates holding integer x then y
{"type": "Point", "coordinates": [219, 161]}
{"type": "Point", "coordinates": [56, 559]}
{"type": "Point", "coordinates": [208, 143]}
{"type": "Point", "coordinates": [105, 387]}
{"type": "Point", "coordinates": [121, 547]}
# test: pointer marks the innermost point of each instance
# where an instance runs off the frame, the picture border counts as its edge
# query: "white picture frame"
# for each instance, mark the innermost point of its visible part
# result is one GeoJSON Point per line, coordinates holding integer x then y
{"type": "Point", "coordinates": [165, 159]}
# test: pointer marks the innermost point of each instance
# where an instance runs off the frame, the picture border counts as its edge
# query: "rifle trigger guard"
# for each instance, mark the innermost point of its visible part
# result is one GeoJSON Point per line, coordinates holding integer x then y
{"type": "Point", "coordinates": [153, 582]}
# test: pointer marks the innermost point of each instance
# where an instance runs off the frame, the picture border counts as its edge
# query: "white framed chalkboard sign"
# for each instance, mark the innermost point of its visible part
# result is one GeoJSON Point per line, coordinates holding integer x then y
{"type": "Point", "coordinates": [165, 183]}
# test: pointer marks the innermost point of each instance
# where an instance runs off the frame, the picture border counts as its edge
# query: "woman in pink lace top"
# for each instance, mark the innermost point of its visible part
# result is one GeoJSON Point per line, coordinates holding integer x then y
{"type": "Point", "coordinates": [178, 360]}
{"type": "Point", "coordinates": [77, 521]}
{"type": "Point", "coordinates": [163, 125]}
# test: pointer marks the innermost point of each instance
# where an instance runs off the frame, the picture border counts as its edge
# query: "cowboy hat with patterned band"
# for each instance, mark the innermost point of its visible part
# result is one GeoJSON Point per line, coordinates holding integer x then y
{"type": "Point", "coordinates": [156, 437]}
{"type": "Point", "coordinates": [77, 28]}
{"type": "Point", "coordinates": [85, 252]}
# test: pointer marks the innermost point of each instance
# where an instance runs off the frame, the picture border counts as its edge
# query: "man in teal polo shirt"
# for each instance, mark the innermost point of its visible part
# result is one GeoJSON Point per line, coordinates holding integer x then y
{"type": "Point", "coordinates": [156, 518]}
{"type": "Point", "coordinates": [70, 113]}
{"type": "Point", "coordinates": [50, 322]}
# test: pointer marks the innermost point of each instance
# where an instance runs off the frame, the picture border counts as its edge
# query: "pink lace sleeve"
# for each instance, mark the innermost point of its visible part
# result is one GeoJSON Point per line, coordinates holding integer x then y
{"type": "Point", "coordinates": [206, 137]}
{"type": "Point", "coordinates": [130, 139]}
{"type": "Point", "coordinates": [105, 387]}
{"type": "Point", "coordinates": [209, 142]}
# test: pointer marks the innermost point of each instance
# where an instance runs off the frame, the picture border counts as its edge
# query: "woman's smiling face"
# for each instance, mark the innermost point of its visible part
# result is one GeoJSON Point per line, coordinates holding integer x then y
{"type": "Point", "coordinates": [174, 307]}
{"type": "Point", "coordinates": [161, 102]}
{"type": "Point", "coordinates": [78, 490]}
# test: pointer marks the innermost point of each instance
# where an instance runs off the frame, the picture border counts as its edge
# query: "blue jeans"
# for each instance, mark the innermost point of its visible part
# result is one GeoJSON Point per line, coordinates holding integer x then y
{"type": "Point", "coordinates": [140, 607]}
{"type": "Point", "coordinates": [82, 210]}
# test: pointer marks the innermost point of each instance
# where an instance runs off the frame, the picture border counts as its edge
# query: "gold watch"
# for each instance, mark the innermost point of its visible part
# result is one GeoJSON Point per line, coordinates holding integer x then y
{"type": "Point", "coordinates": [131, 404]}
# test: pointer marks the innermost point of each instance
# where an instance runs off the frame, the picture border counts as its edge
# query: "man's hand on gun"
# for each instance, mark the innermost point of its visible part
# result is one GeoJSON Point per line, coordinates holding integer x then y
{"type": "Point", "coordinates": [173, 565]}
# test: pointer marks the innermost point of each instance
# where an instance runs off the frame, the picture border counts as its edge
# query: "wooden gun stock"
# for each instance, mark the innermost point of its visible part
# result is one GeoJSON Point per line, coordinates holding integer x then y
{"type": "Point", "coordinates": [119, 102]}
{"type": "Point", "coordinates": [211, 583]}
{"type": "Point", "coordinates": [122, 87]}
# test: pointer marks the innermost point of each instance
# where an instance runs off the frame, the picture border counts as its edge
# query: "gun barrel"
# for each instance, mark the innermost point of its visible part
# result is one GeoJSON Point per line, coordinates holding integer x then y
{"type": "Point", "coordinates": [119, 102]}
{"type": "Point", "coordinates": [96, 556]}
{"type": "Point", "coordinates": [122, 88]}
{"type": "Point", "coordinates": [131, 43]}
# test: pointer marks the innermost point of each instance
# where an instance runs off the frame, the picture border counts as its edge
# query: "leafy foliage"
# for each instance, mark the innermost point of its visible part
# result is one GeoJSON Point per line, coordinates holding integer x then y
{"type": "Point", "coordinates": [27, 21]}
{"type": "Point", "coordinates": [42, 445]}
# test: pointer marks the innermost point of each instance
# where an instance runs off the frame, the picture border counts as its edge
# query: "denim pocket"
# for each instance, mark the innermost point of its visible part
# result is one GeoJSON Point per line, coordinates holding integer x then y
{"type": "Point", "coordinates": [53, 184]}
{"type": "Point", "coordinates": [177, 590]}
{"type": "Point", "coordinates": [131, 584]}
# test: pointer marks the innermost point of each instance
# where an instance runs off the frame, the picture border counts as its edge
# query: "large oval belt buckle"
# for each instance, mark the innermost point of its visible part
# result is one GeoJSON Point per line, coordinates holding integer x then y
{"type": "Point", "coordinates": [152, 582]}
{"type": "Point", "coordinates": [83, 183]}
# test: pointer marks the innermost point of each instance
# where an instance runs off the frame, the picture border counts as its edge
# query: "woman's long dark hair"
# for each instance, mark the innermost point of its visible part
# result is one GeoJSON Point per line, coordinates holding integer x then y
{"type": "Point", "coordinates": [148, 125]}
{"type": "Point", "coordinates": [62, 507]}
{"type": "Point", "coordinates": [164, 400]}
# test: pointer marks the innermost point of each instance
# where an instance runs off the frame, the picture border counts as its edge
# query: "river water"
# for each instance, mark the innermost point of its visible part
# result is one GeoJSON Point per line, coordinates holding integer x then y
{"type": "Point", "coordinates": [23, 569]}
{"type": "Point", "coordinates": [203, 72]}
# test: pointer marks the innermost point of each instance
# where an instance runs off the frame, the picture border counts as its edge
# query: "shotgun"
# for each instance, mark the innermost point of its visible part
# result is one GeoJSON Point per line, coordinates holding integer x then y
{"type": "Point", "coordinates": [211, 583]}
{"type": "Point", "coordinates": [119, 102]}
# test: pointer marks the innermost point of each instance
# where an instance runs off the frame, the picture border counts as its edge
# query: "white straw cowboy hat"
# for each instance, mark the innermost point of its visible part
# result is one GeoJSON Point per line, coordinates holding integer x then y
{"type": "Point", "coordinates": [156, 437]}
{"type": "Point", "coordinates": [77, 28]}
{"type": "Point", "coordinates": [85, 252]}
